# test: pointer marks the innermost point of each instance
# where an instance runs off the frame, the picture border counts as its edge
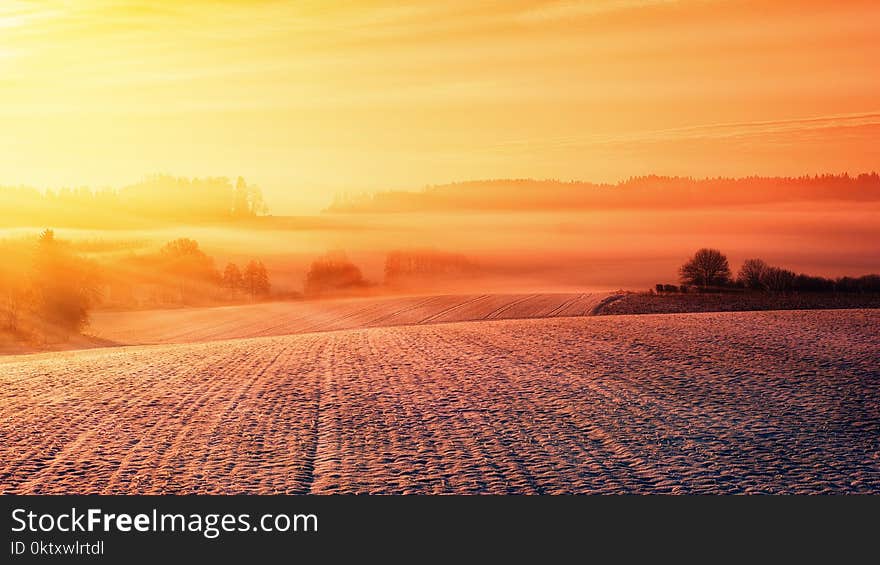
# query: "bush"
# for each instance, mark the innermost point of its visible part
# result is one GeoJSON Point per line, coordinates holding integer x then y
{"type": "Point", "coordinates": [865, 283]}
{"type": "Point", "coordinates": [807, 283]}
{"type": "Point", "coordinates": [869, 283]}
{"type": "Point", "coordinates": [333, 274]}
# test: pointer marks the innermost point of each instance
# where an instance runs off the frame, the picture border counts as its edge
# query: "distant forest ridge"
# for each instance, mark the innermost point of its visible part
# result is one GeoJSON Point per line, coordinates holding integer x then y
{"type": "Point", "coordinates": [637, 192]}
{"type": "Point", "coordinates": [157, 199]}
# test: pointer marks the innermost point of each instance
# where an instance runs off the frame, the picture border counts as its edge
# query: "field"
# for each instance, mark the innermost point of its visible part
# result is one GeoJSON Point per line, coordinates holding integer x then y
{"type": "Point", "coordinates": [757, 402]}
{"type": "Point", "coordinates": [285, 318]}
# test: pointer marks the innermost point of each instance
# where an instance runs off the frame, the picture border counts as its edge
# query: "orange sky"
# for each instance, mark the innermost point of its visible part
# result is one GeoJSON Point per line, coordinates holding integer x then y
{"type": "Point", "coordinates": [312, 98]}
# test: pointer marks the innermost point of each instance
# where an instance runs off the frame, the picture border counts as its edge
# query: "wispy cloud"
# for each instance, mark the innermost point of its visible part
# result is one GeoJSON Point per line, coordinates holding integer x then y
{"type": "Point", "coordinates": [350, 90]}
{"type": "Point", "coordinates": [716, 131]}
{"type": "Point", "coordinates": [581, 8]}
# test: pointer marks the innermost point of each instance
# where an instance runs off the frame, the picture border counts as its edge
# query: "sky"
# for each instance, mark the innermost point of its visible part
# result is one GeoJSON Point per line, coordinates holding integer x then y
{"type": "Point", "coordinates": [309, 99]}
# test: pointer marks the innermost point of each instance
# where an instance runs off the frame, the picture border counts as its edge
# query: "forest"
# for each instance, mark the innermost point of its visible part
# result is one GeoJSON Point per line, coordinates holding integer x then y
{"type": "Point", "coordinates": [647, 192]}
{"type": "Point", "coordinates": [155, 201]}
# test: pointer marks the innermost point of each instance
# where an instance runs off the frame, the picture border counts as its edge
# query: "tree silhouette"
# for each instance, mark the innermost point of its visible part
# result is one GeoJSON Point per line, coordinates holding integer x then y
{"type": "Point", "coordinates": [808, 283]}
{"type": "Point", "coordinates": [232, 279]}
{"type": "Point", "coordinates": [255, 280]}
{"type": "Point", "coordinates": [247, 200]}
{"type": "Point", "coordinates": [651, 191]}
{"type": "Point", "coordinates": [240, 207]}
{"type": "Point", "coordinates": [14, 296]}
{"type": "Point", "coordinates": [183, 261]}
{"type": "Point", "coordinates": [65, 286]}
{"type": "Point", "coordinates": [708, 267]}
{"type": "Point", "coordinates": [751, 274]}
{"type": "Point", "coordinates": [418, 265]}
{"type": "Point", "coordinates": [256, 203]}
{"type": "Point", "coordinates": [778, 280]}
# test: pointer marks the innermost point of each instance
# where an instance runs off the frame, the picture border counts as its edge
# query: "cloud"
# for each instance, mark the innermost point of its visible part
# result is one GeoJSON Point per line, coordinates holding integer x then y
{"type": "Point", "coordinates": [574, 9]}
{"type": "Point", "coordinates": [791, 128]}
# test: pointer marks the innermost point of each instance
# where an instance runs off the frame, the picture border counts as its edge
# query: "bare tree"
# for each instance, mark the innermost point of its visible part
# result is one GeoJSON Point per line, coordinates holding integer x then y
{"type": "Point", "coordinates": [751, 274]}
{"type": "Point", "coordinates": [708, 267]}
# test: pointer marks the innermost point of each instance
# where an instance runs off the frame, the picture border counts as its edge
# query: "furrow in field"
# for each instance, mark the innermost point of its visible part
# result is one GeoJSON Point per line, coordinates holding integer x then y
{"type": "Point", "coordinates": [781, 402]}
{"type": "Point", "coordinates": [258, 320]}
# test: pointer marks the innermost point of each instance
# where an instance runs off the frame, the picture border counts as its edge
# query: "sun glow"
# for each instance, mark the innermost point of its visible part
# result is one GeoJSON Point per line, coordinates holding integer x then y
{"type": "Point", "coordinates": [313, 98]}
{"type": "Point", "coordinates": [158, 108]}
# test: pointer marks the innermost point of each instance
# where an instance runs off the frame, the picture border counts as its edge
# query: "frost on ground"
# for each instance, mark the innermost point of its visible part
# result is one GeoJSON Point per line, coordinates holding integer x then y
{"type": "Point", "coordinates": [757, 402]}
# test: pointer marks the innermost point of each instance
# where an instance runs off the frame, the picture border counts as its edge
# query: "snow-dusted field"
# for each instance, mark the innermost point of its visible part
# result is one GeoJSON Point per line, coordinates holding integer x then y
{"type": "Point", "coordinates": [757, 402]}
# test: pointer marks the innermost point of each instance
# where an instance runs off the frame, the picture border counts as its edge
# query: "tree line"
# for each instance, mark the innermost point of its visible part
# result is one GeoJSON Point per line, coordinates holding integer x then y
{"type": "Point", "coordinates": [47, 290]}
{"type": "Point", "coordinates": [709, 269]}
{"type": "Point", "coordinates": [651, 191]}
{"type": "Point", "coordinates": [182, 273]}
{"type": "Point", "coordinates": [334, 274]}
{"type": "Point", "coordinates": [252, 282]}
{"type": "Point", "coordinates": [158, 199]}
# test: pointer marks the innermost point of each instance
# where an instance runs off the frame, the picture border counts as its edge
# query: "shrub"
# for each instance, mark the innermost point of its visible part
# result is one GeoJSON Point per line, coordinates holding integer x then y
{"type": "Point", "coordinates": [333, 274]}
{"type": "Point", "coordinates": [807, 283]}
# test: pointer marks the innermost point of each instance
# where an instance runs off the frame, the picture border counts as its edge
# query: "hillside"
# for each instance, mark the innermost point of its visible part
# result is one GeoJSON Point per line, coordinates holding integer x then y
{"type": "Point", "coordinates": [284, 318]}
{"type": "Point", "coordinates": [765, 402]}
